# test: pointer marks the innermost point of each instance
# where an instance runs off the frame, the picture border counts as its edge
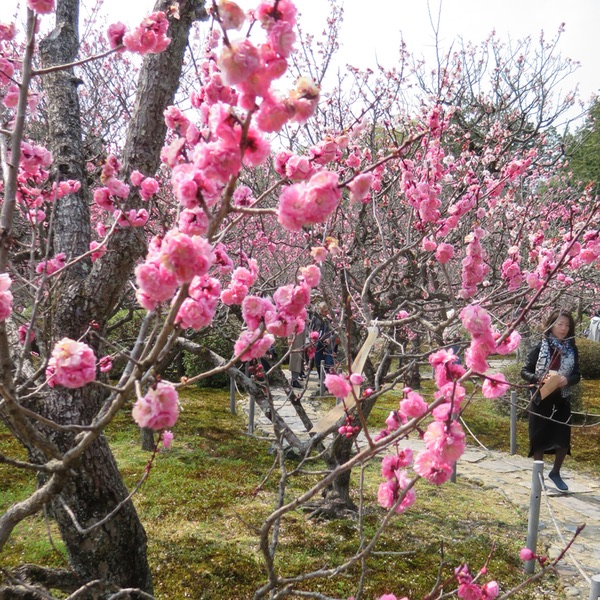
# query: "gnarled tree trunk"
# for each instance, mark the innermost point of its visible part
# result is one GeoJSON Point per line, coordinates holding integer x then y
{"type": "Point", "coordinates": [115, 552]}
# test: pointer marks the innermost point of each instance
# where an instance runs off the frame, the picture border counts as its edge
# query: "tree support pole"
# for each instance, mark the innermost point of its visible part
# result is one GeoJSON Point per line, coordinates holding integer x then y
{"type": "Point", "coordinates": [534, 511]}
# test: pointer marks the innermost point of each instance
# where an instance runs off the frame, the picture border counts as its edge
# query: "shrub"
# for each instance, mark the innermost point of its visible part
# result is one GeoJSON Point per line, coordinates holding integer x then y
{"type": "Point", "coordinates": [513, 375]}
{"type": "Point", "coordinates": [219, 338]}
{"type": "Point", "coordinates": [589, 358]}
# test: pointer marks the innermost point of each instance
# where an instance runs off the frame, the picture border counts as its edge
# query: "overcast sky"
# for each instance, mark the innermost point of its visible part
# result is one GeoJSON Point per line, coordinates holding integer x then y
{"type": "Point", "coordinates": [372, 29]}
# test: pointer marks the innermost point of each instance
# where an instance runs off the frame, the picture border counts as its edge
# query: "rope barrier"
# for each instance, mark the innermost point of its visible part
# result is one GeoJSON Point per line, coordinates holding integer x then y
{"type": "Point", "coordinates": [559, 533]}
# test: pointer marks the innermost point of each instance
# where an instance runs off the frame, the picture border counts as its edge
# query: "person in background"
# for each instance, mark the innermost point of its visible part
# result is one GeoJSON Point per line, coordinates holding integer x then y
{"type": "Point", "coordinates": [297, 358]}
{"type": "Point", "coordinates": [549, 429]}
{"type": "Point", "coordinates": [325, 347]}
{"type": "Point", "coordinates": [593, 331]}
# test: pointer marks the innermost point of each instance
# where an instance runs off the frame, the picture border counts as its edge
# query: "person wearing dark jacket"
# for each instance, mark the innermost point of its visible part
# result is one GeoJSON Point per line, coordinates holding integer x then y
{"type": "Point", "coordinates": [556, 355]}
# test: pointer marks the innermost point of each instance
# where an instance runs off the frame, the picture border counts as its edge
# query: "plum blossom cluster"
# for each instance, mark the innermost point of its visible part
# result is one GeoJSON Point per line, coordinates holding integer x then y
{"type": "Point", "coordinates": [252, 69]}
{"type": "Point", "coordinates": [33, 191]}
{"type": "Point", "coordinates": [484, 341]}
{"type": "Point", "coordinates": [149, 37]}
{"type": "Point", "coordinates": [348, 429]}
{"type": "Point", "coordinates": [285, 315]}
{"type": "Point", "coordinates": [470, 589]}
{"type": "Point", "coordinates": [42, 7]}
{"type": "Point", "coordinates": [72, 364]}
{"type": "Point", "coordinates": [309, 203]}
{"type": "Point", "coordinates": [6, 297]}
{"type": "Point", "coordinates": [115, 191]}
{"type": "Point", "coordinates": [444, 437]}
{"type": "Point", "coordinates": [26, 335]}
{"type": "Point", "coordinates": [159, 408]}
{"type": "Point", "coordinates": [205, 156]}
{"type": "Point", "coordinates": [51, 265]}
{"type": "Point", "coordinates": [242, 279]}
{"type": "Point", "coordinates": [397, 488]}
{"type": "Point", "coordinates": [511, 270]}
{"type": "Point", "coordinates": [198, 310]}
{"type": "Point", "coordinates": [172, 261]}
{"type": "Point", "coordinates": [474, 267]}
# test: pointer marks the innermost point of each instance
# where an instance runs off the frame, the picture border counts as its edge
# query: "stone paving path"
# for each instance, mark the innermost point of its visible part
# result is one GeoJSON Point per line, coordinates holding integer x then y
{"type": "Point", "coordinates": [511, 476]}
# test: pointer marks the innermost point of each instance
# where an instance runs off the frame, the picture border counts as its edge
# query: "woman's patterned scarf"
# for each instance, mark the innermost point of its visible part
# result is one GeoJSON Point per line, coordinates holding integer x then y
{"type": "Point", "coordinates": [551, 346]}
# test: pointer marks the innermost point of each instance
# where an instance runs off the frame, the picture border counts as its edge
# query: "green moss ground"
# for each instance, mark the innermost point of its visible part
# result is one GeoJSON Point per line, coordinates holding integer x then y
{"type": "Point", "coordinates": [201, 507]}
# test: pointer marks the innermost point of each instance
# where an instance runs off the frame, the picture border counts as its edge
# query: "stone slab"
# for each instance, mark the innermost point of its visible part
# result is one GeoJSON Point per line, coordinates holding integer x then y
{"type": "Point", "coordinates": [498, 466]}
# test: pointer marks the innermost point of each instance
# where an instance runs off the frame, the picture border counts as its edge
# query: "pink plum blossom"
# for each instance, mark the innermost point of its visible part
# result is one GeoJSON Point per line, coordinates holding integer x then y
{"type": "Point", "coordinates": [413, 406]}
{"type": "Point", "coordinates": [446, 440]}
{"type": "Point", "coordinates": [72, 364]}
{"type": "Point", "coordinates": [356, 379]}
{"type": "Point", "coordinates": [6, 297]}
{"type": "Point", "coordinates": [359, 187]}
{"type": "Point", "coordinates": [7, 32]}
{"type": "Point", "coordinates": [193, 221]}
{"type": "Point", "coordinates": [98, 251]}
{"type": "Point", "coordinates": [230, 15]}
{"type": "Point", "coordinates": [25, 334]}
{"type": "Point", "coordinates": [429, 465]}
{"type": "Point", "coordinates": [510, 344]}
{"type": "Point", "coordinates": [150, 36]}
{"type": "Point", "coordinates": [291, 211]}
{"type": "Point", "coordinates": [303, 99]}
{"type": "Point", "coordinates": [299, 168]}
{"type": "Point", "coordinates": [490, 590]}
{"type": "Point", "coordinates": [476, 355]}
{"type": "Point", "coordinates": [148, 188]}
{"type": "Point", "coordinates": [428, 244]}
{"type": "Point", "coordinates": [338, 386]}
{"type": "Point", "coordinates": [136, 178]}
{"type": "Point", "coordinates": [319, 253]}
{"type": "Point", "coordinates": [105, 364]}
{"type": "Point", "coordinates": [155, 282]}
{"type": "Point", "coordinates": [238, 61]}
{"type": "Point", "coordinates": [42, 7]}
{"type": "Point", "coordinates": [444, 253]}
{"type": "Point", "coordinates": [391, 490]}
{"type": "Point", "coordinates": [103, 200]}
{"type": "Point", "coordinates": [158, 409]}
{"type": "Point", "coordinates": [258, 345]}
{"type": "Point", "coordinates": [526, 554]}
{"type": "Point", "coordinates": [475, 319]}
{"type": "Point", "coordinates": [52, 265]}
{"type": "Point", "coordinates": [195, 314]}
{"type": "Point", "coordinates": [393, 463]}
{"type": "Point", "coordinates": [311, 275]}
{"type": "Point", "coordinates": [495, 386]}
{"type": "Point", "coordinates": [116, 33]}
{"type": "Point", "coordinates": [167, 439]}
{"type": "Point", "coordinates": [393, 422]}
{"type": "Point", "coordinates": [185, 256]}
{"type": "Point", "coordinates": [254, 309]}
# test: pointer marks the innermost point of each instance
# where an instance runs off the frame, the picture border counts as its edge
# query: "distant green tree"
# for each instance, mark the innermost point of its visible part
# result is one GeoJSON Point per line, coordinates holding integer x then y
{"type": "Point", "coordinates": [583, 149]}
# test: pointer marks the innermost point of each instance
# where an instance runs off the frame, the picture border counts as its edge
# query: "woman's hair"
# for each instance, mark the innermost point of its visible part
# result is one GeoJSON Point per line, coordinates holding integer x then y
{"type": "Point", "coordinates": [553, 317]}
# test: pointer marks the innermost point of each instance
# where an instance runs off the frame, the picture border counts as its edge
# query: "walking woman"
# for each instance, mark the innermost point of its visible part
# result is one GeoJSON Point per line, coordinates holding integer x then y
{"type": "Point", "coordinates": [555, 360]}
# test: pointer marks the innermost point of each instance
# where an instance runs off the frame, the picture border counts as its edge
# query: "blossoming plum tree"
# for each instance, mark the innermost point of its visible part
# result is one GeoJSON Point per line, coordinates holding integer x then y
{"type": "Point", "coordinates": [428, 197]}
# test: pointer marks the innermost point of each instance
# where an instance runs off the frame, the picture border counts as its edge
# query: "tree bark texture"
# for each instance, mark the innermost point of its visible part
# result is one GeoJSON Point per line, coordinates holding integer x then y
{"type": "Point", "coordinates": [115, 552]}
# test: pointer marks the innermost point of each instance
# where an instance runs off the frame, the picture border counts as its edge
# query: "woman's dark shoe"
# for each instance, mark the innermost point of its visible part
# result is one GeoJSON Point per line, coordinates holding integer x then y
{"type": "Point", "coordinates": [296, 384]}
{"type": "Point", "coordinates": [556, 479]}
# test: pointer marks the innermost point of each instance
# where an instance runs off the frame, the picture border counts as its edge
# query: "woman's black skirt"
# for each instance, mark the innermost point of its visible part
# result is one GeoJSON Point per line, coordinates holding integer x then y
{"type": "Point", "coordinates": [548, 429]}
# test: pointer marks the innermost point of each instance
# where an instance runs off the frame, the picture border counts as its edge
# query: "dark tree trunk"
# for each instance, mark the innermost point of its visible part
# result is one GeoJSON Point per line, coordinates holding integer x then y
{"type": "Point", "coordinates": [115, 552]}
